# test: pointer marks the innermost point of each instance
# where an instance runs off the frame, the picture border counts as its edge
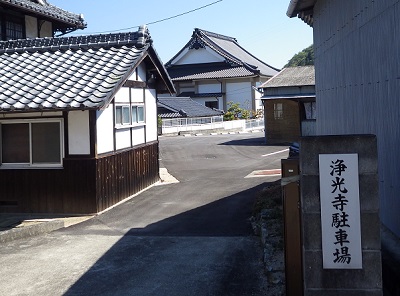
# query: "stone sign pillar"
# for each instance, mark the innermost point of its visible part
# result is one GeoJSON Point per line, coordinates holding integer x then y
{"type": "Point", "coordinates": [340, 216]}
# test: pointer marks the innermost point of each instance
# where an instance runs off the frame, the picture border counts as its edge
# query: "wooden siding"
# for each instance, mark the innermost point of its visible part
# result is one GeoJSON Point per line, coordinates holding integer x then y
{"type": "Point", "coordinates": [67, 190]}
{"type": "Point", "coordinates": [285, 130]}
{"type": "Point", "coordinates": [82, 186]}
{"type": "Point", "coordinates": [357, 45]}
{"type": "Point", "coordinates": [126, 173]}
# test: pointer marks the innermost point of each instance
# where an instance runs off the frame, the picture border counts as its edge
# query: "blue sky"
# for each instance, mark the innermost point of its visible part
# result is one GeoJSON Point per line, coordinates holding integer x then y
{"type": "Point", "coordinates": [260, 26]}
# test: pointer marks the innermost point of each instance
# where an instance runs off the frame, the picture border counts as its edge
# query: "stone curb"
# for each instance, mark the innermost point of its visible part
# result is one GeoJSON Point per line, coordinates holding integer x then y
{"type": "Point", "coordinates": [31, 230]}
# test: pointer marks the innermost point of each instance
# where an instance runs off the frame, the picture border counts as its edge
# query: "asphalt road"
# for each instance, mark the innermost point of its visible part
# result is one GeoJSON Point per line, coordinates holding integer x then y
{"type": "Point", "coordinates": [189, 238]}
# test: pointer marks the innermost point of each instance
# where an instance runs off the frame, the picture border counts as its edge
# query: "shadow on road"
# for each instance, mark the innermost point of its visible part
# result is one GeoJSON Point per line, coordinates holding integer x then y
{"type": "Point", "coordinates": [252, 142]}
{"type": "Point", "coordinates": [247, 142]}
{"type": "Point", "coordinates": [225, 217]}
{"type": "Point", "coordinates": [210, 250]}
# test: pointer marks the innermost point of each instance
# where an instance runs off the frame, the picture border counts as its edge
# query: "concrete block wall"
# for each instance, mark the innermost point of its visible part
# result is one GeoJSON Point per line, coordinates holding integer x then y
{"type": "Point", "coordinates": [345, 282]}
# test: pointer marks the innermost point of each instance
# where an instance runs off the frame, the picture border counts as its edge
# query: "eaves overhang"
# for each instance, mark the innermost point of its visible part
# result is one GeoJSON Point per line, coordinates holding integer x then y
{"type": "Point", "coordinates": [303, 9]}
{"type": "Point", "coordinates": [295, 97]}
{"type": "Point", "coordinates": [65, 20]}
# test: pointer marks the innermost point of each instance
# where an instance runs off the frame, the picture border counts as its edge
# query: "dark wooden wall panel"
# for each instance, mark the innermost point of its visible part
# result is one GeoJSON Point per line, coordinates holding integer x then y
{"type": "Point", "coordinates": [67, 190]}
{"type": "Point", "coordinates": [83, 186]}
{"type": "Point", "coordinates": [126, 173]}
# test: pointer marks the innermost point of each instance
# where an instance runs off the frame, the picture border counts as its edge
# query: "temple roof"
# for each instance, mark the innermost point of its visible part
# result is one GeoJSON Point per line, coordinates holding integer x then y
{"type": "Point", "coordinates": [236, 61]}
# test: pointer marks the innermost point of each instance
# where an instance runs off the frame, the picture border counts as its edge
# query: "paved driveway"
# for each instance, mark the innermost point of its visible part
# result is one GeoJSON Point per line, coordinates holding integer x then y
{"type": "Point", "coordinates": [187, 238]}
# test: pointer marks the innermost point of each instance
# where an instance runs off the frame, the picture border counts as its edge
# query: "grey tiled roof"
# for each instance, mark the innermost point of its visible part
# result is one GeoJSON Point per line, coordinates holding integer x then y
{"type": "Point", "coordinates": [186, 106]}
{"type": "Point", "coordinates": [43, 8]}
{"type": "Point", "coordinates": [292, 76]}
{"type": "Point", "coordinates": [230, 48]}
{"type": "Point", "coordinates": [238, 61]}
{"type": "Point", "coordinates": [170, 115]}
{"type": "Point", "coordinates": [192, 94]}
{"type": "Point", "coordinates": [231, 72]}
{"type": "Point", "coordinates": [75, 42]}
{"type": "Point", "coordinates": [67, 73]}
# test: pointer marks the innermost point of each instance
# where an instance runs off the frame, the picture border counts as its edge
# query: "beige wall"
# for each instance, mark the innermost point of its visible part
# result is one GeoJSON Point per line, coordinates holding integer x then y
{"type": "Point", "coordinates": [285, 130]}
{"type": "Point", "coordinates": [35, 28]}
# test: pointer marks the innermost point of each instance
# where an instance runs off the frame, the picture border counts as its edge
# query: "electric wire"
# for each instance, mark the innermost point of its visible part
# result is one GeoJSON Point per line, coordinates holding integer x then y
{"type": "Point", "coordinates": [157, 21]}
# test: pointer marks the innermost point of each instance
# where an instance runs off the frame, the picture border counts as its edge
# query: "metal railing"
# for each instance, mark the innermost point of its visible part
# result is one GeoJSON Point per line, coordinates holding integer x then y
{"type": "Point", "coordinates": [181, 122]}
{"type": "Point", "coordinates": [257, 123]}
{"type": "Point", "coordinates": [176, 125]}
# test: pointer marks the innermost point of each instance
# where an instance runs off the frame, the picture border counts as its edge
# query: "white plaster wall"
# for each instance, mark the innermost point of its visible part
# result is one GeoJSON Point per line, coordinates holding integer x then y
{"type": "Point", "coordinates": [31, 27]}
{"type": "Point", "coordinates": [46, 30]}
{"type": "Point", "coordinates": [137, 95]}
{"type": "Point", "coordinates": [187, 89]}
{"type": "Point", "coordinates": [138, 135]}
{"type": "Point", "coordinates": [123, 138]}
{"type": "Point", "coordinates": [209, 88]}
{"type": "Point", "coordinates": [105, 130]}
{"type": "Point", "coordinates": [122, 96]}
{"type": "Point", "coordinates": [199, 56]}
{"type": "Point", "coordinates": [78, 132]}
{"type": "Point", "coordinates": [151, 115]}
{"type": "Point", "coordinates": [259, 104]}
{"type": "Point", "coordinates": [257, 96]}
{"type": "Point", "coordinates": [142, 72]}
{"type": "Point", "coordinates": [239, 92]}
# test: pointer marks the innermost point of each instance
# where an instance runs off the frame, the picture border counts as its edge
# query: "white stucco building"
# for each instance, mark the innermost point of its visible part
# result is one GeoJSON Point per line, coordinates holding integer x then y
{"type": "Point", "coordinates": [214, 70]}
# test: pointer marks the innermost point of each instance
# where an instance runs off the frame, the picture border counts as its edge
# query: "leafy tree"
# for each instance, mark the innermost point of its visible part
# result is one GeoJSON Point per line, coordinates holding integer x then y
{"type": "Point", "coordinates": [236, 112]}
{"type": "Point", "coordinates": [303, 58]}
{"type": "Point", "coordinates": [245, 114]}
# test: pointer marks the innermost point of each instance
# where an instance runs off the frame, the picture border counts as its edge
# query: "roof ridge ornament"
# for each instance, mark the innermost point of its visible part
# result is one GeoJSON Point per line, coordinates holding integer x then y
{"type": "Point", "coordinates": [197, 43]}
{"type": "Point", "coordinates": [143, 36]}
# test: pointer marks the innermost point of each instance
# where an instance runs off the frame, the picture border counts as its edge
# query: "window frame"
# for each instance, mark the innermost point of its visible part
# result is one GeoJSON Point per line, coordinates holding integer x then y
{"type": "Point", "coordinates": [133, 109]}
{"type": "Point", "coordinates": [136, 107]}
{"type": "Point", "coordinates": [212, 104]}
{"type": "Point", "coordinates": [13, 19]}
{"type": "Point", "coordinates": [311, 111]}
{"type": "Point", "coordinates": [278, 112]}
{"type": "Point", "coordinates": [32, 164]}
{"type": "Point", "coordinates": [121, 122]}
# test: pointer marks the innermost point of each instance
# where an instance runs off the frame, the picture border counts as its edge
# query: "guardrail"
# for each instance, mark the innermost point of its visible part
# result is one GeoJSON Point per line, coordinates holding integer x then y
{"type": "Point", "coordinates": [191, 121]}
{"type": "Point", "coordinates": [257, 123]}
{"type": "Point", "coordinates": [216, 123]}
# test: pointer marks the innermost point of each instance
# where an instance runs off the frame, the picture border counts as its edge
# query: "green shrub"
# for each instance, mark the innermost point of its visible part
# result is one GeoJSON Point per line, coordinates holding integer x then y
{"type": "Point", "coordinates": [235, 112]}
